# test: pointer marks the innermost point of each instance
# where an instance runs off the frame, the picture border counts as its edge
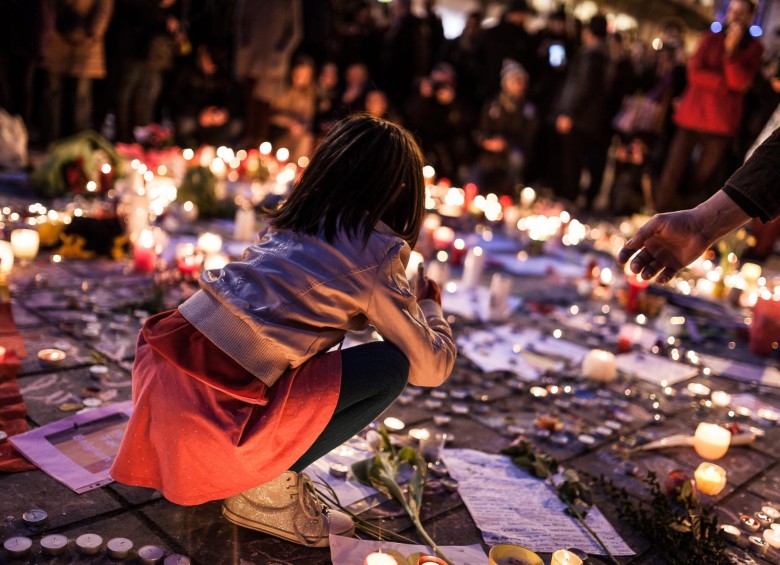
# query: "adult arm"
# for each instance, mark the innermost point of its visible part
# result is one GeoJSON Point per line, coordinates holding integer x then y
{"type": "Point", "coordinates": [669, 242]}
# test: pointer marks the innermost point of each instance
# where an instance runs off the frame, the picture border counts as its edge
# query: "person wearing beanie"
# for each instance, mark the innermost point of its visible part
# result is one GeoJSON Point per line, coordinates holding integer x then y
{"type": "Point", "coordinates": [506, 128]}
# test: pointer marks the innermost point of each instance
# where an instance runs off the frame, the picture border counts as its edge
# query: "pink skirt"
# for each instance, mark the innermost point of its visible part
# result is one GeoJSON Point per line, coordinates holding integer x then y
{"type": "Point", "coordinates": [203, 428]}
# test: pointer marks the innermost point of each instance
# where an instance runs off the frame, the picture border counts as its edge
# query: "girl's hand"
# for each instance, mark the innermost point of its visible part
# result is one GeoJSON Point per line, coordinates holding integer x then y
{"type": "Point", "coordinates": [426, 288]}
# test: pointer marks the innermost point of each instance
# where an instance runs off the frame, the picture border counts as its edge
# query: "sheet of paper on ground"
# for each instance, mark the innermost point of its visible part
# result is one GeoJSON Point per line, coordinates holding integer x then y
{"type": "Point", "coordinates": [510, 506]}
{"type": "Point", "coordinates": [78, 450]}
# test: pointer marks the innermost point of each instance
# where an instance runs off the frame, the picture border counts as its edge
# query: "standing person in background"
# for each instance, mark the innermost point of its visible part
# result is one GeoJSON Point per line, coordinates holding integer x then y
{"type": "Point", "coordinates": [580, 114]}
{"type": "Point", "coordinates": [402, 43]}
{"type": "Point", "coordinates": [267, 33]}
{"type": "Point", "coordinates": [292, 113]}
{"type": "Point", "coordinates": [76, 57]}
{"type": "Point", "coordinates": [508, 40]}
{"type": "Point", "coordinates": [22, 45]}
{"type": "Point", "coordinates": [708, 116]}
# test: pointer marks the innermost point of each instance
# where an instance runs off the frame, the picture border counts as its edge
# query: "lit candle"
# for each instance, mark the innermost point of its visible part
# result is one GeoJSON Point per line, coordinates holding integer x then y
{"type": "Point", "coordinates": [473, 267]}
{"type": "Point", "coordinates": [758, 545]}
{"type": "Point", "coordinates": [506, 552]}
{"type": "Point", "coordinates": [763, 519]}
{"type": "Point", "coordinates": [710, 478]}
{"type": "Point", "coordinates": [749, 523]}
{"type": "Point", "coordinates": [527, 197]}
{"type": "Point", "coordinates": [144, 254]}
{"type": "Point", "coordinates": [379, 558]}
{"type": "Point", "coordinates": [750, 272]}
{"type": "Point", "coordinates": [215, 261]}
{"type": "Point", "coordinates": [423, 559]}
{"type": "Point", "coordinates": [772, 512]}
{"type": "Point", "coordinates": [2, 353]}
{"type": "Point", "coordinates": [443, 237]}
{"type": "Point", "coordinates": [772, 537]}
{"type": "Point", "coordinates": [599, 365]}
{"type": "Point", "coordinates": [51, 356]}
{"type": "Point", "coordinates": [177, 559]}
{"type": "Point", "coordinates": [24, 243]}
{"type": "Point", "coordinates": [731, 533]}
{"type": "Point", "coordinates": [636, 288]}
{"type": "Point", "coordinates": [6, 258]}
{"type": "Point", "coordinates": [209, 243]}
{"type": "Point", "coordinates": [565, 557]}
{"type": "Point", "coordinates": [765, 329]}
{"type": "Point", "coordinates": [394, 424]}
{"type": "Point", "coordinates": [720, 398]}
{"type": "Point", "coordinates": [711, 441]}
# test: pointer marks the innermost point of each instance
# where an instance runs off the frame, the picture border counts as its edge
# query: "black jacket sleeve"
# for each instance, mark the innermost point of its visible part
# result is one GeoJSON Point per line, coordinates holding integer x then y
{"type": "Point", "coordinates": [755, 186]}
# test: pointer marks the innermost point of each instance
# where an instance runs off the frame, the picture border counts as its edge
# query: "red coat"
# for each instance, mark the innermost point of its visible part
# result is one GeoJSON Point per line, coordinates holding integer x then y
{"type": "Point", "coordinates": [712, 102]}
{"type": "Point", "coordinates": [203, 428]}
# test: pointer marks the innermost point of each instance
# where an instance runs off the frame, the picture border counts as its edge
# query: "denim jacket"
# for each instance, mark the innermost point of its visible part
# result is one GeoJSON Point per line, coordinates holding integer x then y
{"type": "Point", "coordinates": [294, 295]}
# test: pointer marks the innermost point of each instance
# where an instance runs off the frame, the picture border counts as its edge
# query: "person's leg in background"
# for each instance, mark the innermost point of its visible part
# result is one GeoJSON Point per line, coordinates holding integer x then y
{"type": "Point", "coordinates": [372, 377]}
{"type": "Point", "coordinates": [54, 107]}
{"type": "Point", "coordinates": [82, 105]}
{"type": "Point", "coordinates": [676, 163]}
{"type": "Point", "coordinates": [705, 173]}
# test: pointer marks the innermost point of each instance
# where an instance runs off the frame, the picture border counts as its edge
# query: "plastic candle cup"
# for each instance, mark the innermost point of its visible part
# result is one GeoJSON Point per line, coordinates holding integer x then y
{"type": "Point", "coordinates": [565, 557]}
{"type": "Point", "coordinates": [24, 243]}
{"type": "Point", "coordinates": [710, 478]}
{"type": "Point", "coordinates": [711, 441]}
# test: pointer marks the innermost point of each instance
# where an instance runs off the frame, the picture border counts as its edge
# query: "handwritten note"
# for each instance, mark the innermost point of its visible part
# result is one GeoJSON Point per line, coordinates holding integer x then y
{"type": "Point", "coordinates": [472, 303]}
{"type": "Point", "coordinates": [510, 506]}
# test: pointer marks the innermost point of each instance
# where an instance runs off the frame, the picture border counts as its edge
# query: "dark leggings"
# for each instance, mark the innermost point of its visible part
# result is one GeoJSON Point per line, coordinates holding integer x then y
{"type": "Point", "coordinates": [372, 377]}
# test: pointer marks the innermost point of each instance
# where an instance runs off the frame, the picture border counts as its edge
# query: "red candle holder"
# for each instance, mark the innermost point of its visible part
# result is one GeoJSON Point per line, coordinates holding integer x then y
{"type": "Point", "coordinates": [765, 329]}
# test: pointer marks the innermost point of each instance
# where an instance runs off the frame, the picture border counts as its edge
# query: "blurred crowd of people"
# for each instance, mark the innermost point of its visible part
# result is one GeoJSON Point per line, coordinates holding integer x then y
{"type": "Point", "coordinates": [500, 106]}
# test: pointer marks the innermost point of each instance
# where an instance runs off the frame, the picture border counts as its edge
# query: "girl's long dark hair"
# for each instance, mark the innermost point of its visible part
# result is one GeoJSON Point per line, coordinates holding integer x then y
{"type": "Point", "coordinates": [364, 171]}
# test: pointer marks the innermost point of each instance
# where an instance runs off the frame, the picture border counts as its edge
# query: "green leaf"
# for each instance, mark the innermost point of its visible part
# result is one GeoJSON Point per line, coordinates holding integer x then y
{"type": "Point", "coordinates": [361, 470]}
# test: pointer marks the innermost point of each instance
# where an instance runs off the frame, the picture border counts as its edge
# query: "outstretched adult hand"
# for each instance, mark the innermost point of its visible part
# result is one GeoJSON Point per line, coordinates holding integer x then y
{"type": "Point", "coordinates": [665, 244]}
{"type": "Point", "coordinates": [668, 242]}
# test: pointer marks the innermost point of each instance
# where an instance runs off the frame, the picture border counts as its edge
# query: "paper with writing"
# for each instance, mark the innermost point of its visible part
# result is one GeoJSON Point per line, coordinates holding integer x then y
{"type": "Point", "coordinates": [510, 506]}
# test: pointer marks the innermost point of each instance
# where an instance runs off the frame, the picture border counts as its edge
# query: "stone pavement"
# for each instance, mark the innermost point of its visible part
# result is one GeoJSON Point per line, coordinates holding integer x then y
{"type": "Point", "coordinates": [55, 304]}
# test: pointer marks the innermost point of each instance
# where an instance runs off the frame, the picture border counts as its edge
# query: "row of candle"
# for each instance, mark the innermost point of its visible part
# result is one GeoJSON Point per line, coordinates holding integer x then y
{"type": "Point", "coordinates": [19, 547]}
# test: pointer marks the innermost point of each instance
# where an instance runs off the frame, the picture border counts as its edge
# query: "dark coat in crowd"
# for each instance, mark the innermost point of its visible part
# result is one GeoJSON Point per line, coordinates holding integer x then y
{"type": "Point", "coordinates": [584, 94]}
{"type": "Point", "coordinates": [506, 41]}
{"type": "Point", "coordinates": [77, 42]}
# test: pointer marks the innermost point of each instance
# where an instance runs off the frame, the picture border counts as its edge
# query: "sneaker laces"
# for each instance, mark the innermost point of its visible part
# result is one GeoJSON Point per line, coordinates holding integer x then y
{"type": "Point", "coordinates": [312, 508]}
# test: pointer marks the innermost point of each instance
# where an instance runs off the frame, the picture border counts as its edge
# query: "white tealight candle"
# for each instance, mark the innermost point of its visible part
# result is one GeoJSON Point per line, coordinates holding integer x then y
{"type": "Point", "coordinates": [177, 559]}
{"type": "Point", "coordinates": [772, 537]}
{"type": "Point", "coordinates": [150, 554]}
{"type": "Point", "coordinates": [394, 424]}
{"type": "Point", "coordinates": [758, 545]}
{"type": "Point", "coordinates": [771, 511]}
{"type": "Point", "coordinates": [720, 398]}
{"type": "Point", "coordinates": [710, 478]}
{"type": "Point", "coordinates": [51, 356]}
{"type": "Point", "coordinates": [565, 557]}
{"type": "Point", "coordinates": [731, 533]}
{"type": "Point", "coordinates": [119, 548]}
{"type": "Point", "coordinates": [209, 243]}
{"type": "Point", "coordinates": [18, 546]}
{"type": "Point", "coordinates": [215, 261]}
{"type": "Point", "coordinates": [379, 558]}
{"type": "Point", "coordinates": [89, 544]}
{"type": "Point", "coordinates": [25, 243]}
{"type": "Point", "coordinates": [711, 441]}
{"type": "Point", "coordinates": [55, 544]}
{"type": "Point", "coordinates": [599, 365]}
